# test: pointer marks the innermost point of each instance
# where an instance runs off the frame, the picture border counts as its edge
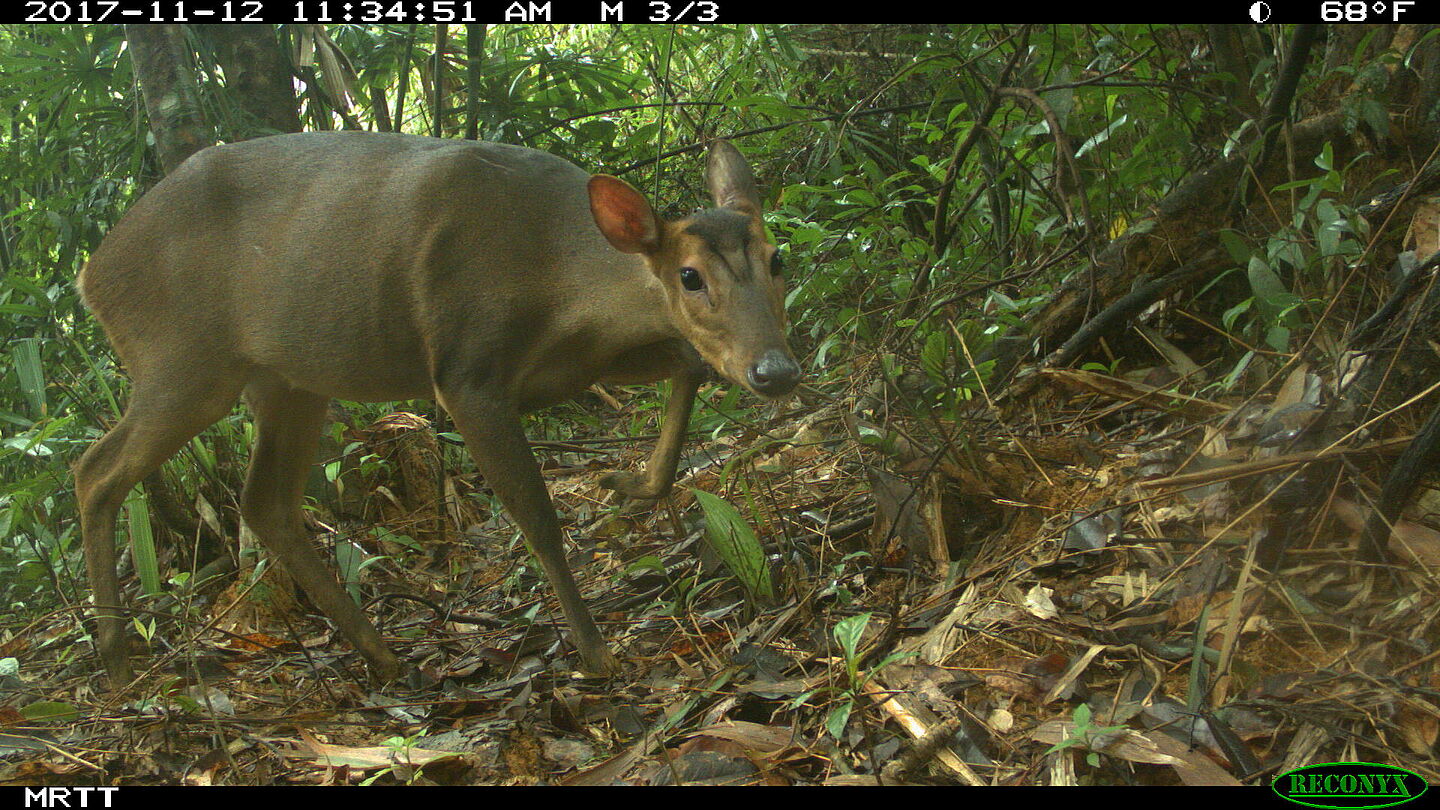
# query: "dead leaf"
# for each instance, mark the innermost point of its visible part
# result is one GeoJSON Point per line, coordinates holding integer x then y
{"type": "Point", "coordinates": [366, 758]}
{"type": "Point", "coordinates": [755, 738]}
{"type": "Point", "coordinates": [1154, 748]}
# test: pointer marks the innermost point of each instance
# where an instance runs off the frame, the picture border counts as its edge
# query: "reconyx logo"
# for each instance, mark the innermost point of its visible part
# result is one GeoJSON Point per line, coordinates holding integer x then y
{"type": "Point", "coordinates": [1349, 785]}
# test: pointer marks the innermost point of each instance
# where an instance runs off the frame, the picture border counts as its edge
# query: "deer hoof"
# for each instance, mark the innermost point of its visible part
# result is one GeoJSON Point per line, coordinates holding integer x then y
{"type": "Point", "coordinates": [602, 664]}
{"type": "Point", "coordinates": [630, 485]}
{"type": "Point", "coordinates": [387, 668]}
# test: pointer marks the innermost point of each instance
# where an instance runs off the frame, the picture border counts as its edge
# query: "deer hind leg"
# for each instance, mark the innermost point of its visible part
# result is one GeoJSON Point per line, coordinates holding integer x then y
{"type": "Point", "coordinates": [165, 411]}
{"type": "Point", "coordinates": [287, 429]}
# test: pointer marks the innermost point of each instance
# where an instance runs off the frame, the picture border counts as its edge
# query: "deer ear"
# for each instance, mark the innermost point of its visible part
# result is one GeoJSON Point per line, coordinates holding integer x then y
{"type": "Point", "coordinates": [623, 215]}
{"type": "Point", "coordinates": [732, 184]}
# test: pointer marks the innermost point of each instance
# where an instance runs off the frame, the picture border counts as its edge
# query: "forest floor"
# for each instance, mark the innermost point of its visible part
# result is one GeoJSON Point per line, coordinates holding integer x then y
{"type": "Point", "coordinates": [1068, 590]}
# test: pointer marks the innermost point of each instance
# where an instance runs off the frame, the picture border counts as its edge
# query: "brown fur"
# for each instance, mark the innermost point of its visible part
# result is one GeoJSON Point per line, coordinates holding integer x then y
{"type": "Point", "coordinates": [375, 267]}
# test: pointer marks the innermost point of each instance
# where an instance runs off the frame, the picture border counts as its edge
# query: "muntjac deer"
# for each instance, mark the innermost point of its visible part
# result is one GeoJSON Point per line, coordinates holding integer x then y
{"type": "Point", "coordinates": [375, 267]}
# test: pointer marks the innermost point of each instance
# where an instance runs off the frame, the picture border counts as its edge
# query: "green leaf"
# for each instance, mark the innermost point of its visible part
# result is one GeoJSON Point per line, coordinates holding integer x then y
{"type": "Point", "coordinates": [1102, 136]}
{"type": "Point", "coordinates": [934, 355]}
{"type": "Point", "coordinates": [51, 711]}
{"type": "Point", "coordinates": [142, 541]}
{"type": "Point", "coordinates": [1332, 227]}
{"type": "Point", "coordinates": [1278, 338]}
{"type": "Point", "coordinates": [736, 544]}
{"type": "Point", "coordinates": [892, 658]}
{"type": "Point", "coordinates": [384, 534]}
{"type": "Point", "coordinates": [1327, 239]}
{"type": "Point", "coordinates": [806, 234]}
{"type": "Point", "coordinates": [1232, 314]}
{"type": "Point", "coordinates": [30, 374]}
{"type": "Point", "coordinates": [861, 196]}
{"type": "Point", "coordinates": [1235, 246]}
{"type": "Point", "coordinates": [649, 562]}
{"type": "Point", "coordinates": [350, 560]}
{"type": "Point", "coordinates": [849, 631]}
{"type": "Point", "coordinates": [839, 717]}
{"type": "Point", "coordinates": [1240, 366]}
{"type": "Point", "coordinates": [1269, 290]}
{"type": "Point", "coordinates": [1061, 101]}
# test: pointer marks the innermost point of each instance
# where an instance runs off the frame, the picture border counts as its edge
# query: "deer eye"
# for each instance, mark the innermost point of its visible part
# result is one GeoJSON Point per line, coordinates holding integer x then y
{"type": "Point", "coordinates": [690, 279]}
{"type": "Point", "coordinates": [776, 266]}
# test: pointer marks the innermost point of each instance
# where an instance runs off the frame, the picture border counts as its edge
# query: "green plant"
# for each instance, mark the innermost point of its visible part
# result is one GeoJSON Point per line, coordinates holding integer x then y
{"type": "Point", "coordinates": [682, 590]}
{"type": "Point", "coordinates": [145, 629]}
{"type": "Point", "coordinates": [350, 561]}
{"type": "Point", "coordinates": [839, 571]}
{"type": "Point", "coordinates": [1087, 735]}
{"type": "Point", "coordinates": [848, 633]}
{"type": "Point", "coordinates": [732, 538]}
{"type": "Point", "coordinates": [400, 748]}
{"type": "Point", "coordinates": [1322, 236]}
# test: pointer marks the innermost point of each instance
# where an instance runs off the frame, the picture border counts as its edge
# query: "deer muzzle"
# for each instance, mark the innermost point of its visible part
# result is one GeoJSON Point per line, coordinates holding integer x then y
{"type": "Point", "coordinates": [774, 374]}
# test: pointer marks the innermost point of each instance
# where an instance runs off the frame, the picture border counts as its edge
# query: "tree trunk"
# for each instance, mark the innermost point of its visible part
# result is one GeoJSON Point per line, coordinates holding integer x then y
{"type": "Point", "coordinates": [167, 83]}
{"type": "Point", "coordinates": [257, 72]}
{"type": "Point", "coordinates": [474, 64]}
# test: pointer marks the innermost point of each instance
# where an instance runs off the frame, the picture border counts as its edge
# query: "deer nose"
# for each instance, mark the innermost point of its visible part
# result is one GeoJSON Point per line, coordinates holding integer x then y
{"type": "Point", "coordinates": [774, 374]}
